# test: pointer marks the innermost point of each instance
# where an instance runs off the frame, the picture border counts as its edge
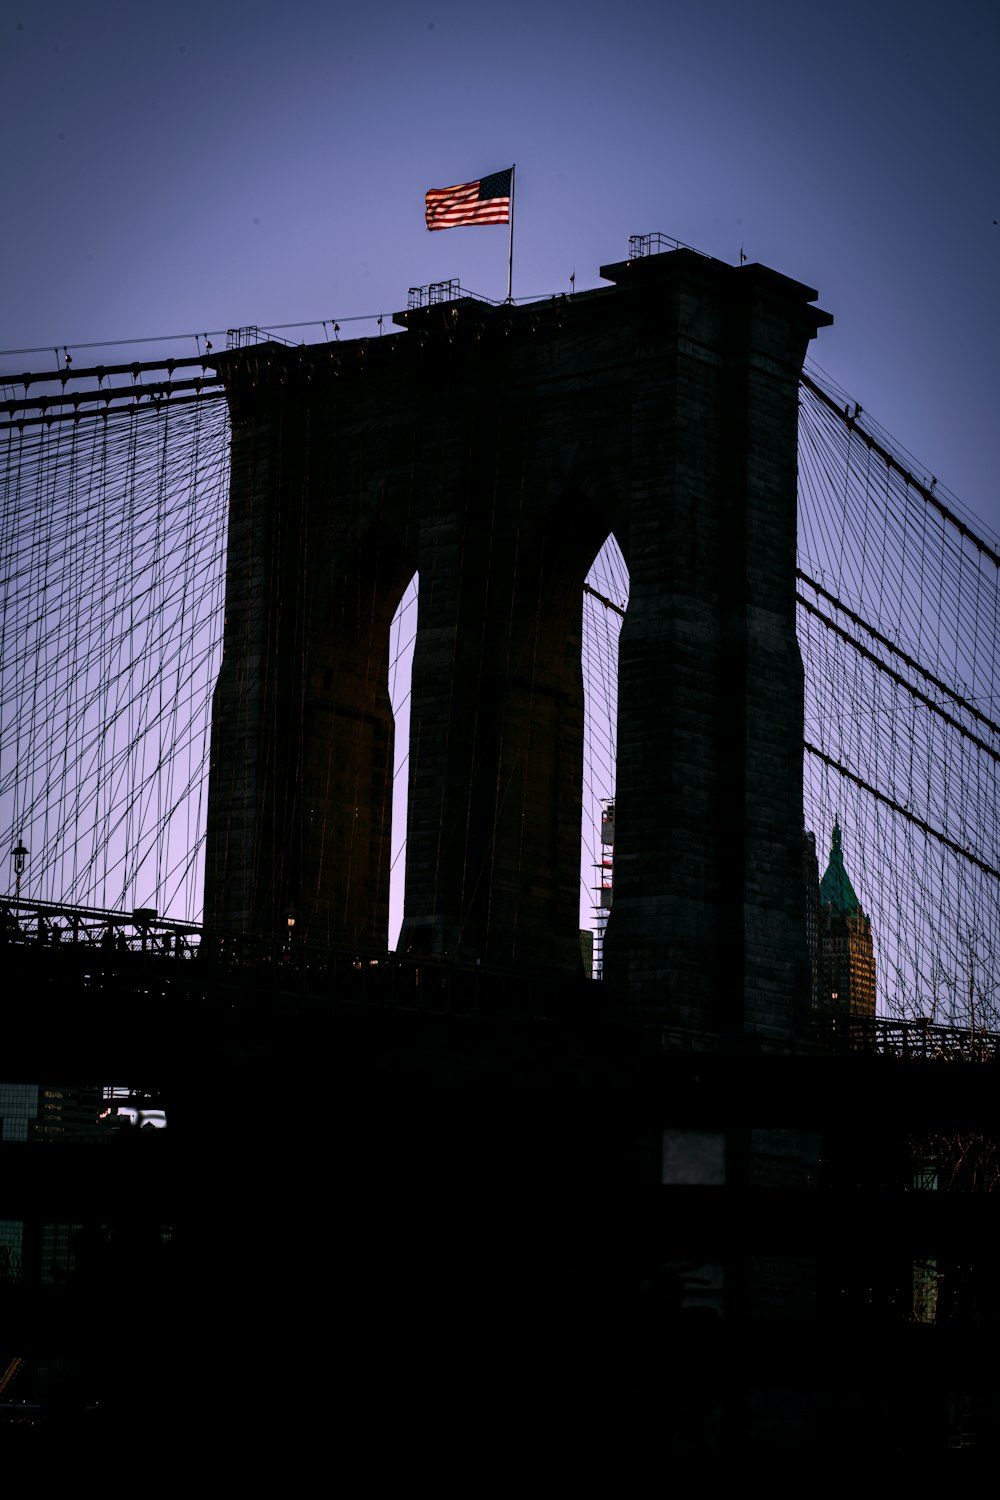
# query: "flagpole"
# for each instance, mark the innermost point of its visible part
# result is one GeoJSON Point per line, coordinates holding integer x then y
{"type": "Point", "coordinates": [510, 257]}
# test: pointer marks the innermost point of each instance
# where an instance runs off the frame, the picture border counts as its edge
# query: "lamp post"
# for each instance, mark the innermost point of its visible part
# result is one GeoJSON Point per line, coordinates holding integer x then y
{"type": "Point", "coordinates": [20, 855]}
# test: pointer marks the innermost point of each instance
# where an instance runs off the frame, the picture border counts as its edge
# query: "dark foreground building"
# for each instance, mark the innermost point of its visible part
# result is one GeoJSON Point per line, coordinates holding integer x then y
{"type": "Point", "coordinates": [430, 1214]}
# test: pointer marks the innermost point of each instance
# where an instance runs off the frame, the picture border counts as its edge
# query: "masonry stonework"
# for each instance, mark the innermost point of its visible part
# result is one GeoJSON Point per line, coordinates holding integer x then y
{"type": "Point", "coordinates": [492, 450]}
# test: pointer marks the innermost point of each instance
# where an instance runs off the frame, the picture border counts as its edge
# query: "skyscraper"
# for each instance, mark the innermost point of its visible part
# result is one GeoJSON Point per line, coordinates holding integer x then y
{"type": "Point", "coordinates": [846, 956]}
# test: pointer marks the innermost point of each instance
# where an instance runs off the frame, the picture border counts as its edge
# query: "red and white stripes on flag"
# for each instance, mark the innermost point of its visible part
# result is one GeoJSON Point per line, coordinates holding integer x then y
{"type": "Point", "coordinates": [484, 202]}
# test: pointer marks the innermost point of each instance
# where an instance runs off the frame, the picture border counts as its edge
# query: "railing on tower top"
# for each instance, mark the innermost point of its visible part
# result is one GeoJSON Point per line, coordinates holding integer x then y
{"type": "Point", "coordinates": [640, 245]}
{"type": "Point", "coordinates": [244, 338]}
{"type": "Point", "coordinates": [437, 292]}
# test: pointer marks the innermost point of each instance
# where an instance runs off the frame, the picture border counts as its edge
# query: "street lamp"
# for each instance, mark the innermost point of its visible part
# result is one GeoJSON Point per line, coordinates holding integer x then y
{"type": "Point", "coordinates": [20, 855]}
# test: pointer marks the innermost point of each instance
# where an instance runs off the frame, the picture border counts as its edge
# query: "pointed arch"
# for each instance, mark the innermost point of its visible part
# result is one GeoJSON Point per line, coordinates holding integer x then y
{"type": "Point", "coordinates": [605, 601]}
{"type": "Point", "coordinates": [495, 875]}
{"type": "Point", "coordinates": [402, 638]}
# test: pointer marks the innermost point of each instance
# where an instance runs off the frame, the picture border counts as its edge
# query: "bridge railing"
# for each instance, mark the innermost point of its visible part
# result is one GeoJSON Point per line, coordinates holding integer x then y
{"type": "Point", "coordinates": [47, 924]}
{"type": "Point", "coordinates": [919, 1039]}
{"type": "Point", "coordinates": [247, 968]}
{"type": "Point", "coordinates": [111, 950]}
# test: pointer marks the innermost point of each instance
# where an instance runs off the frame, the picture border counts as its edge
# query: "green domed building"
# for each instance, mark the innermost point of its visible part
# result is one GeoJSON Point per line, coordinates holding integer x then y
{"type": "Point", "coordinates": [846, 985]}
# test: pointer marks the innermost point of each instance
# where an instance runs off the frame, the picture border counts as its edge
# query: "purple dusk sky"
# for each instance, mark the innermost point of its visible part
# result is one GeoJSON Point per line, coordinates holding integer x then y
{"type": "Point", "coordinates": [186, 168]}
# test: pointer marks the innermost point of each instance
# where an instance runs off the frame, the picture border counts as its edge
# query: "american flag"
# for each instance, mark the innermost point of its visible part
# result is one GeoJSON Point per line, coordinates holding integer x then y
{"type": "Point", "coordinates": [484, 202]}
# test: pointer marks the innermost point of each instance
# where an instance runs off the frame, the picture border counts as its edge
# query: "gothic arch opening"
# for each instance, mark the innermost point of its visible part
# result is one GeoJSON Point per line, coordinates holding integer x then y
{"type": "Point", "coordinates": [301, 780]}
{"type": "Point", "coordinates": [402, 638]}
{"type": "Point", "coordinates": [497, 739]}
{"type": "Point", "coordinates": [605, 600]}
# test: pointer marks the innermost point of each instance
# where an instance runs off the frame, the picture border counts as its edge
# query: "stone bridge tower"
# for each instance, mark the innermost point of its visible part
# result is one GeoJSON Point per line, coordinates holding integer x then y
{"type": "Point", "coordinates": [493, 450]}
